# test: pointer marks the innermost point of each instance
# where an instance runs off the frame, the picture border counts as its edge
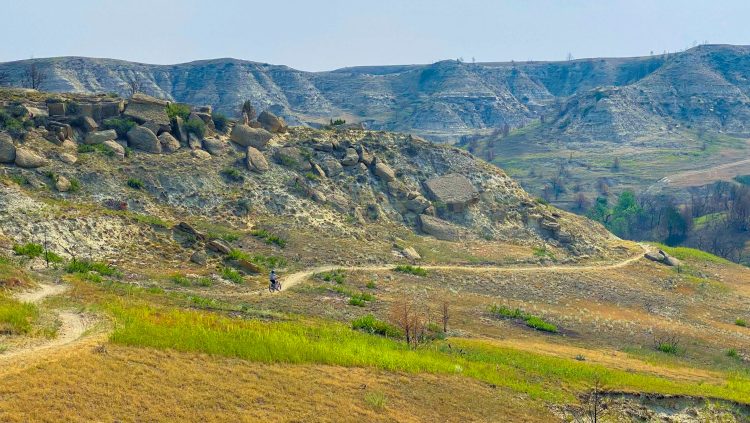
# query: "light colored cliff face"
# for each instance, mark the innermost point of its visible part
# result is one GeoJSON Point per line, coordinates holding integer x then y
{"type": "Point", "coordinates": [706, 86]}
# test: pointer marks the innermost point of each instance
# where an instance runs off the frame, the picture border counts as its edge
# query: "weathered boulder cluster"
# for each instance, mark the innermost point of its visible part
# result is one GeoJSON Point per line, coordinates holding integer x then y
{"type": "Point", "coordinates": [141, 123]}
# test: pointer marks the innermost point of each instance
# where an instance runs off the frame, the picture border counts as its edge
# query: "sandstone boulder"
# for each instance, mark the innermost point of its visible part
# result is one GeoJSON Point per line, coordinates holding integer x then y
{"type": "Point", "coordinates": [384, 172]}
{"type": "Point", "coordinates": [417, 203]}
{"type": "Point", "coordinates": [143, 108]}
{"type": "Point", "coordinates": [144, 139]}
{"type": "Point", "coordinates": [194, 143]}
{"type": "Point", "coordinates": [250, 137]}
{"type": "Point", "coordinates": [439, 228]}
{"type": "Point", "coordinates": [199, 257]}
{"type": "Point", "coordinates": [205, 117]}
{"type": "Point", "coordinates": [331, 166]}
{"type": "Point", "coordinates": [118, 149]}
{"type": "Point", "coordinates": [100, 136]}
{"type": "Point", "coordinates": [201, 155]}
{"type": "Point", "coordinates": [28, 159]}
{"type": "Point", "coordinates": [89, 124]}
{"type": "Point", "coordinates": [190, 230]}
{"type": "Point", "coordinates": [169, 144]}
{"type": "Point", "coordinates": [62, 184]}
{"type": "Point", "coordinates": [178, 128]}
{"type": "Point", "coordinates": [214, 146]}
{"type": "Point", "coordinates": [68, 158]}
{"type": "Point", "coordinates": [248, 266]}
{"type": "Point", "coordinates": [411, 254]}
{"type": "Point", "coordinates": [219, 246]}
{"type": "Point", "coordinates": [7, 148]}
{"type": "Point", "coordinates": [256, 161]}
{"type": "Point", "coordinates": [271, 122]}
{"type": "Point", "coordinates": [351, 157]}
{"type": "Point", "coordinates": [454, 190]}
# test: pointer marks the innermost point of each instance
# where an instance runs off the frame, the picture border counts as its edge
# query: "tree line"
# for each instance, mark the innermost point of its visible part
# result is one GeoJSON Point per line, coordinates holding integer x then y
{"type": "Point", "coordinates": [713, 218]}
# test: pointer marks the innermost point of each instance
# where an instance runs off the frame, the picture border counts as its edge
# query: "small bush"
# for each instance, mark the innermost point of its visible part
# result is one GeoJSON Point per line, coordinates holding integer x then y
{"type": "Point", "coordinates": [732, 353]}
{"type": "Point", "coordinates": [220, 121]}
{"type": "Point", "coordinates": [196, 126]}
{"type": "Point", "coordinates": [30, 250]}
{"type": "Point", "coordinates": [135, 183]}
{"type": "Point", "coordinates": [120, 125]}
{"type": "Point", "coordinates": [181, 280]}
{"type": "Point", "coordinates": [413, 270]}
{"type": "Point", "coordinates": [503, 311]}
{"type": "Point", "coordinates": [75, 185]}
{"type": "Point", "coordinates": [371, 285]}
{"type": "Point", "coordinates": [178, 110]}
{"type": "Point", "coordinates": [16, 318]}
{"type": "Point", "coordinates": [376, 400]}
{"type": "Point", "coordinates": [539, 324]}
{"type": "Point", "coordinates": [360, 299]}
{"type": "Point", "coordinates": [268, 237]}
{"type": "Point", "coordinates": [543, 252]}
{"type": "Point", "coordinates": [86, 266]}
{"type": "Point", "coordinates": [338, 276]}
{"type": "Point", "coordinates": [368, 323]}
{"type": "Point", "coordinates": [741, 322]}
{"type": "Point", "coordinates": [232, 275]}
{"type": "Point", "coordinates": [667, 347]}
{"type": "Point", "coordinates": [232, 174]}
{"type": "Point", "coordinates": [204, 282]}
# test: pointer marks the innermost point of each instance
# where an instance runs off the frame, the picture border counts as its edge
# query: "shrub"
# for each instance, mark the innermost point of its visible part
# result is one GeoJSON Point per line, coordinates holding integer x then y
{"type": "Point", "coordinates": [413, 270]}
{"type": "Point", "coordinates": [337, 276]}
{"type": "Point", "coordinates": [120, 125]}
{"type": "Point", "coordinates": [732, 353]}
{"type": "Point", "coordinates": [196, 126]}
{"type": "Point", "coordinates": [204, 282]}
{"type": "Point", "coordinates": [30, 250]}
{"type": "Point", "coordinates": [539, 324]}
{"type": "Point", "coordinates": [135, 183]}
{"type": "Point", "coordinates": [220, 121]}
{"type": "Point", "coordinates": [181, 280]}
{"type": "Point", "coordinates": [232, 275]}
{"type": "Point", "coordinates": [268, 237]}
{"type": "Point", "coordinates": [371, 285]}
{"type": "Point", "coordinates": [87, 266]}
{"type": "Point", "coordinates": [360, 299]}
{"type": "Point", "coordinates": [368, 323]}
{"type": "Point", "coordinates": [503, 311]}
{"type": "Point", "coordinates": [232, 174]}
{"type": "Point", "coordinates": [741, 322]}
{"type": "Point", "coordinates": [16, 317]}
{"type": "Point", "coordinates": [376, 400]}
{"type": "Point", "coordinates": [178, 110]}
{"type": "Point", "coordinates": [75, 185]}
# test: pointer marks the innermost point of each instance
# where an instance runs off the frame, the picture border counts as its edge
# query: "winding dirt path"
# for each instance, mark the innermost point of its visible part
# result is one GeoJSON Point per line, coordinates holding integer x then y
{"type": "Point", "coordinates": [72, 328]}
{"type": "Point", "coordinates": [299, 277]}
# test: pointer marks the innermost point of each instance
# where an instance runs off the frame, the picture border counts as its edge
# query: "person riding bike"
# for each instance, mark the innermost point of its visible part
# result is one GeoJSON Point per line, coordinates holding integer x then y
{"type": "Point", "coordinates": [275, 285]}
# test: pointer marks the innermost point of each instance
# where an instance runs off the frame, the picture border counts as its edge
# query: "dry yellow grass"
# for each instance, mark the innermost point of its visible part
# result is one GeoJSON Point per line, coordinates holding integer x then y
{"type": "Point", "coordinates": [129, 384]}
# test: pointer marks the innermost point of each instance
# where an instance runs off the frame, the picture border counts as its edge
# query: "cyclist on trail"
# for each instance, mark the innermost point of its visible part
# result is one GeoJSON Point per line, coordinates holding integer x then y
{"type": "Point", "coordinates": [274, 279]}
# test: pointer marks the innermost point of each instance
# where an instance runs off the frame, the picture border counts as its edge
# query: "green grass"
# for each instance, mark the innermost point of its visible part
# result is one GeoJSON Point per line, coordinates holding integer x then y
{"type": "Point", "coordinates": [264, 262]}
{"type": "Point", "coordinates": [232, 275]}
{"type": "Point", "coordinates": [540, 377]}
{"type": "Point", "coordinates": [685, 253]}
{"type": "Point", "coordinates": [531, 321]}
{"type": "Point", "coordinates": [135, 183]}
{"type": "Point", "coordinates": [268, 237]}
{"type": "Point", "coordinates": [16, 318]}
{"type": "Point", "coordinates": [376, 400]}
{"type": "Point", "coordinates": [543, 252]}
{"type": "Point", "coordinates": [30, 250]}
{"type": "Point", "coordinates": [338, 276]}
{"type": "Point", "coordinates": [369, 324]}
{"type": "Point", "coordinates": [218, 231]}
{"type": "Point", "coordinates": [232, 174]}
{"type": "Point", "coordinates": [741, 322]}
{"type": "Point", "coordinates": [360, 299]}
{"type": "Point", "coordinates": [178, 110]}
{"type": "Point", "coordinates": [87, 266]}
{"type": "Point", "coordinates": [412, 270]}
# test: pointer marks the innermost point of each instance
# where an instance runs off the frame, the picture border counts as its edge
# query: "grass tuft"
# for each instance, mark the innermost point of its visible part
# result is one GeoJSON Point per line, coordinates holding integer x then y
{"type": "Point", "coordinates": [412, 270]}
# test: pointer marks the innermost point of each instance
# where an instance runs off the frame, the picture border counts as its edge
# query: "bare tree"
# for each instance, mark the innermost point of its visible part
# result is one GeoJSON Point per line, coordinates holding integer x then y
{"type": "Point", "coordinates": [134, 85]}
{"type": "Point", "coordinates": [569, 57]}
{"type": "Point", "coordinates": [409, 316]}
{"type": "Point", "coordinates": [34, 76]}
{"type": "Point", "coordinates": [445, 309]}
{"type": "Point", "coordinates": [593, 404]}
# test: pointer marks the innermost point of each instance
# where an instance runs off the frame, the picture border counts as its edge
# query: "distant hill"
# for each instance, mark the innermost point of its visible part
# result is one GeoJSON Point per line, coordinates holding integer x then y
{"type": "Point", "coordinates": [613, 98]}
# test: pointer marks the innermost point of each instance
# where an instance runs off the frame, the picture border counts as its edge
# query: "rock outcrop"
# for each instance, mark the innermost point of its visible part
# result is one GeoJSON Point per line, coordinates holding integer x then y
{"type": "Point", "coordinates": [143, 139]}
{"type": "Point", "coordinates": [143, 108]}
{"type": "Point", "coordinates": [246, 136]}
{"type": "Point", "coordinates": [454, 190]}
{"type": "Point", "coordinates": [7, 149]}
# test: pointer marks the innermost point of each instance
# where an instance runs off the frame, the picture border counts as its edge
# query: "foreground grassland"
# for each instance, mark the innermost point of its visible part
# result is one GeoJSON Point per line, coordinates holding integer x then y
{"type": "Point", "coordinates": [206, 351]}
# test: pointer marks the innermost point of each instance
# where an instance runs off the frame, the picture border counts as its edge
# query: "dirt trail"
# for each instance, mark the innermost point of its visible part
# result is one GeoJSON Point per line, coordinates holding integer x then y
{"type": "Point", "coordinates": [297, 278]}
{"type": "Point", "coordinates": [73, 325]}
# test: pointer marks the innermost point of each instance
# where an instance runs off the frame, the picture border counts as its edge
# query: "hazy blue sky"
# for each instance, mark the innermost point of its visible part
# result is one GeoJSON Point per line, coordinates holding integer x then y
{"type": "Point", "coordinates": [321, 35]}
